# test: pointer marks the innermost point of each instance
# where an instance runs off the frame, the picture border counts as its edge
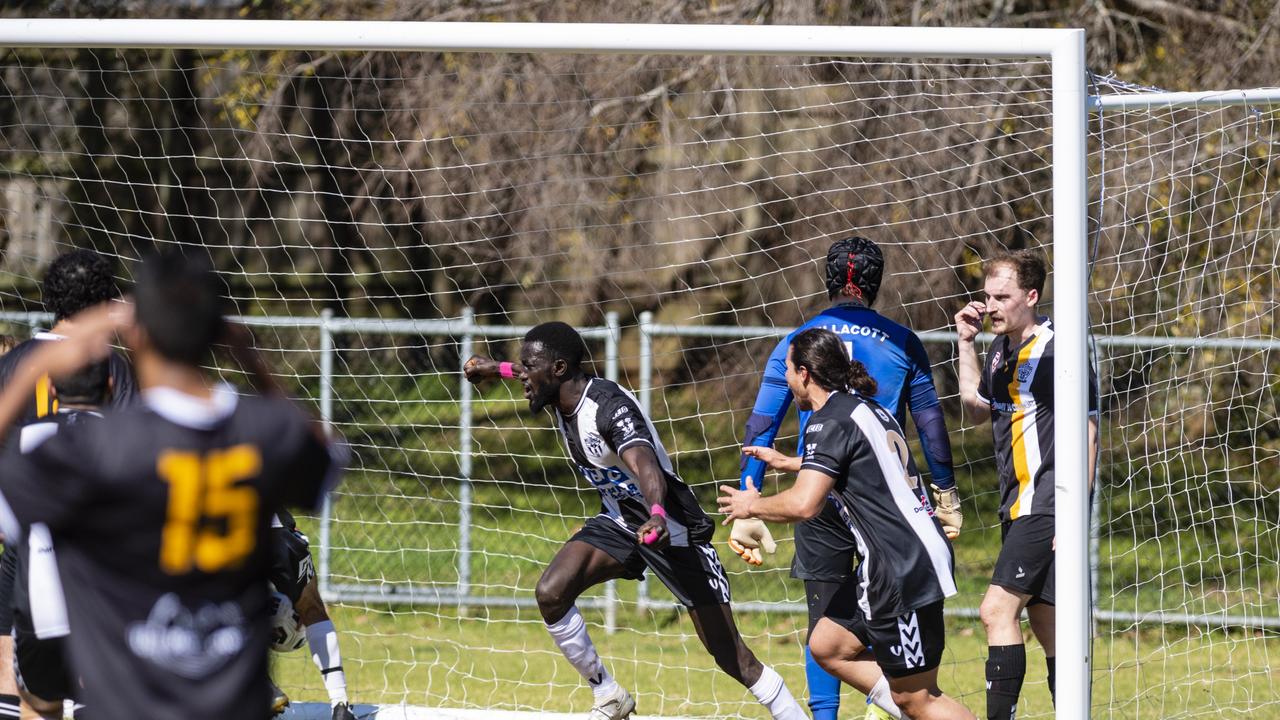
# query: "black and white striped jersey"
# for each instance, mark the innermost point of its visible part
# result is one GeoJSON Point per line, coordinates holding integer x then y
{"type": "Point", "coordinates": [906, 559]}
{"type": "Point", "coordinates": [606, 422]}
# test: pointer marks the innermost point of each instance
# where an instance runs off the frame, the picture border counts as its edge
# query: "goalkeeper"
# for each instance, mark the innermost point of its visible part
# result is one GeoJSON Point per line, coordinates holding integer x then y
{"type": "Point", "coordinates": [896, 359]}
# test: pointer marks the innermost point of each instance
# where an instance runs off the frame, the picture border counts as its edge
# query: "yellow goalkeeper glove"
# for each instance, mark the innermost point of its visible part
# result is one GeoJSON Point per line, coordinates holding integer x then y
{"type": "Point", "coordinates": [946, 507]}
{"type": "Point", "coordinates": [748, 537]}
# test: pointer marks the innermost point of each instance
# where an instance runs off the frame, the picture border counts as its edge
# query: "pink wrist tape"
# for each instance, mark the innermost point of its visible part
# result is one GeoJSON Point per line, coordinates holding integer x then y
{"type": "Point", "coordinates": [505, 370]}
{"type": "Point", "coordinates": [652, 536]}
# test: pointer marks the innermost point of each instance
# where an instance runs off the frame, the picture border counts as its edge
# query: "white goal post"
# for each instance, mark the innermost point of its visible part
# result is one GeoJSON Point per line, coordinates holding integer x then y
{"type": "Point", "coordinates": [1063, 49]}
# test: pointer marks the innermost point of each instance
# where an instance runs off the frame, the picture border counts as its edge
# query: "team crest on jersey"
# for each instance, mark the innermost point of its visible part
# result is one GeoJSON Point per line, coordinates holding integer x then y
{"type": "Point", "coordinates": [594, 444]}
{"type": "Point", "coordinates": [995, 359]}
{"type": "Point", "coordinates": [1025, 372]}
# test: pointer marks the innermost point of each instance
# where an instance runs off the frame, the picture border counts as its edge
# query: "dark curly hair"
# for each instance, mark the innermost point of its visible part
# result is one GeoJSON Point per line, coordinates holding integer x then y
{"type": "Point", "coordinates": [77, 280]}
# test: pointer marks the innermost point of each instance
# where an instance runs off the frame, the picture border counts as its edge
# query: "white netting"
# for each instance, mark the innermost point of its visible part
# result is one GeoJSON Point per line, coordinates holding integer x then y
{"type": "Point", "coordinates": [412, 186]}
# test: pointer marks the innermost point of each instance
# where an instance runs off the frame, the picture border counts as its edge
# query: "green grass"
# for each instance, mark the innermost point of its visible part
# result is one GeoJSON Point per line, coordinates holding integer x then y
{"type": "Point", "coordinates": [503, 659]}
{"type": "Point", "coordinates": [398, 528]}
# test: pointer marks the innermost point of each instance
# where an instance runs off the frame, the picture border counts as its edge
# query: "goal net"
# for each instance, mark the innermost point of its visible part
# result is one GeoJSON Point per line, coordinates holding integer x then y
{"type": "Point", "coordinates": [379, 216]}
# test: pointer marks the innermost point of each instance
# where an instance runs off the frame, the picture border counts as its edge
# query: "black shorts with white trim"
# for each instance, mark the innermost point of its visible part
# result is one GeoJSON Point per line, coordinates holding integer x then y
{"type": "Point", "coordinates": [692, 573]}
{"type": "Point", "coordinates": [1025, 564]}
{"type": "Point", "coordinates": [904, 645]}
{"type": "Point", "coordinates": [40, 666]}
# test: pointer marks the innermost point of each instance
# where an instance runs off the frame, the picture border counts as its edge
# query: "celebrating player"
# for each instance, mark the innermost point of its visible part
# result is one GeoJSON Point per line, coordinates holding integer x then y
{"type": "Point", "coordinates": [40, 627]}
{"type": "Point", "coordinates": [896, 359]}
{"type": "Point", "coordinates": [74, 281]}
{"type": "Point", "coordinates": [854, 452]}
{"type": "Point", "coordinates": [160, 512]}
{"type": "Point", "coordinates": [1015, 389]}
{"type": "Point", "coordinates": [649, 518]}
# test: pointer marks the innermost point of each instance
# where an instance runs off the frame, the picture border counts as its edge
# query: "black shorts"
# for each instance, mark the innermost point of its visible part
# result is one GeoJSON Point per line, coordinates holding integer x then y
{"type": "Point", "coordinates": [8, 575]}
{"type": "Point", "coordinates": [40, 666]}
{"type": "Point", "coordinates": [903, 645]}
{"type": "Point", "coordinates": [825, 547]}
{"type": "Point", "coordinates": [1025, 564]}
{"type": "Point", "coordinates": [693, 573]}
{"type": "Point", "coordinates": [291, 565]}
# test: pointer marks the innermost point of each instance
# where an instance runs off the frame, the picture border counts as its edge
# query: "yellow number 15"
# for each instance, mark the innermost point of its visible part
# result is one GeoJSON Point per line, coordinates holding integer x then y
{"type": "Point", "coordinates": [205, 489]}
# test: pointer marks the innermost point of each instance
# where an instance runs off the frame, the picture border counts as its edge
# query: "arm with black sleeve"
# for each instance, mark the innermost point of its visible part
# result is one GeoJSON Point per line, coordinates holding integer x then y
{"type": "Point", "coordinates": [749, 537]}
{"type": "Point", "coordinates": [926, 412]}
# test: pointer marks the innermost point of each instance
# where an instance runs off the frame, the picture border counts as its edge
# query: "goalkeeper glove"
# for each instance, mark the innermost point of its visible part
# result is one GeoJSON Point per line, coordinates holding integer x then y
{"type": "Point", "coordinates": [748, 537]}
{"type": "Point", "coordinates": [946, 507]}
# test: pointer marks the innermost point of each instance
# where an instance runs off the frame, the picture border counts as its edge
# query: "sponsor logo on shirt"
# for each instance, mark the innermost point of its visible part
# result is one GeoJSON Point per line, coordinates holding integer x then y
{"type": "Point", "coordinates": [816, 427]}
{"type": "Point", "coordinates": [191, 642]}
{"type": "Point", "coordinates": [627, 425]}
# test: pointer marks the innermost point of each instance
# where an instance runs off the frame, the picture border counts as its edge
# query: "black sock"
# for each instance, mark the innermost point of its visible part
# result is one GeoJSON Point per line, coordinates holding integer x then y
{"type": "Point", "coordinates": [1049, 661]}
{"type": "Point", "coordinates": [1006, 668]}
{"type": "Point", "coordinates": [10, 706]}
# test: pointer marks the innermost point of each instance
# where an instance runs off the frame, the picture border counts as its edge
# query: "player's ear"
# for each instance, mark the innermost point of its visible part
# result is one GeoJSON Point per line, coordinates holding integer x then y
{"type": "Point", "coordinates": [1033, 297]}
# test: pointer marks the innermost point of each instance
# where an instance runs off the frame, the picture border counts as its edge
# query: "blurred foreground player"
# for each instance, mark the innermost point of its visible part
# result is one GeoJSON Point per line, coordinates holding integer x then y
{"type": "Point", "coordinates": [74, 281]}
{"type": "Point", "coordinates": [160, 513]}
{"type": "Point", "coordinates": [649, 518]}
{"type": "Point", "coordinates": [40, 624]}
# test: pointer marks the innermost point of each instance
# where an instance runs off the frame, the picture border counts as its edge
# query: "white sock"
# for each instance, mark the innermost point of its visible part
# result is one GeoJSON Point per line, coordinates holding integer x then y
{"type": "Point", "coordinates": [570, 634]}
{"type": "Point", "coordinates": [882, 697]}
{"type": "Point", "coordinates": [775, 697]}
{"type": "Point", "coordinates": [322, 638]}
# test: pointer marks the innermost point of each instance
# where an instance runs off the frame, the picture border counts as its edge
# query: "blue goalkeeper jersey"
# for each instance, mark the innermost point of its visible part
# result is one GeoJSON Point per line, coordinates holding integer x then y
{"type": "Point", "coordinates": [893, 356]}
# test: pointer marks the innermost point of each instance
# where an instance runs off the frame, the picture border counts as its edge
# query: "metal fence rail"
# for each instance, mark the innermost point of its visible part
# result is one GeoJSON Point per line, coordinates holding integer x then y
{"type": "Point", "coordinates": [465, 331]}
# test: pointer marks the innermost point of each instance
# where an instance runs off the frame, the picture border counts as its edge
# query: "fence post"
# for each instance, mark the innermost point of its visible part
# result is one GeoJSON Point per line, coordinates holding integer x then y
{"type": "Point", "coordinates": [466, 349]}
{"type": "Point", "coordinates": [611, 373]}
{"type": "Point", "coordinates": [326, 416]}
{"type": "Point", "coordinates": [646, 402]}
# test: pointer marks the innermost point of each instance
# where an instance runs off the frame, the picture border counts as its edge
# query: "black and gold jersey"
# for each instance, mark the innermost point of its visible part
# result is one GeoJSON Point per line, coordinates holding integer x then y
{"type": "Point", "coordinates": [124, 390]}
{"type": "Point", "coordinates": [1017, 382]}
{"type": "Point", "coordinates": [160, 516]}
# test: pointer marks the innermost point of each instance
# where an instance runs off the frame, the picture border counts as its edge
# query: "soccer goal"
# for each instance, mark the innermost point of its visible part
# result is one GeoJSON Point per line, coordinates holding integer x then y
{"type": "Point", "coordinates": [387, 198]}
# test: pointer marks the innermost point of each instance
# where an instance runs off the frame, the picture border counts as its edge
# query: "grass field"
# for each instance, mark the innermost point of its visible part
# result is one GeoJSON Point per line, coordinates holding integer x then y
{"type": "Point", "coordinates": [504, 660]}
{"type": "Point", "coordinates": [404, 534]}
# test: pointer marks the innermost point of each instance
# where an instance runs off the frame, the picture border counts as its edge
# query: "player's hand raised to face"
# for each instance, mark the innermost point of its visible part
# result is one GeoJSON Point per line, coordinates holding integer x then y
{"type": "Point", "coordinates": [969, 320]}
{"type": "Point", "coordinates": [87, 338]}
{"type": "Point", "coordinates": [654, 533]}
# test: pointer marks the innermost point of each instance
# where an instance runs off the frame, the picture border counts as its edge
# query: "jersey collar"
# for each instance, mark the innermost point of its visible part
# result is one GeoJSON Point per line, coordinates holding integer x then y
{"type": "Point", "coordinates": [43, 335]}
{"type": "Point", "coordinates": [578, 408]}
{"type": "Point", "coordinates": [192, 412]}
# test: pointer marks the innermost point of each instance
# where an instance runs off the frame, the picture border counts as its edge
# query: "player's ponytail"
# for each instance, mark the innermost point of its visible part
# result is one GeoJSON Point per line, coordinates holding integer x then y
{"type": "Point", "coordinates": [821, 352]}
{"type": "Point", "coordinates": [860, 381]}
